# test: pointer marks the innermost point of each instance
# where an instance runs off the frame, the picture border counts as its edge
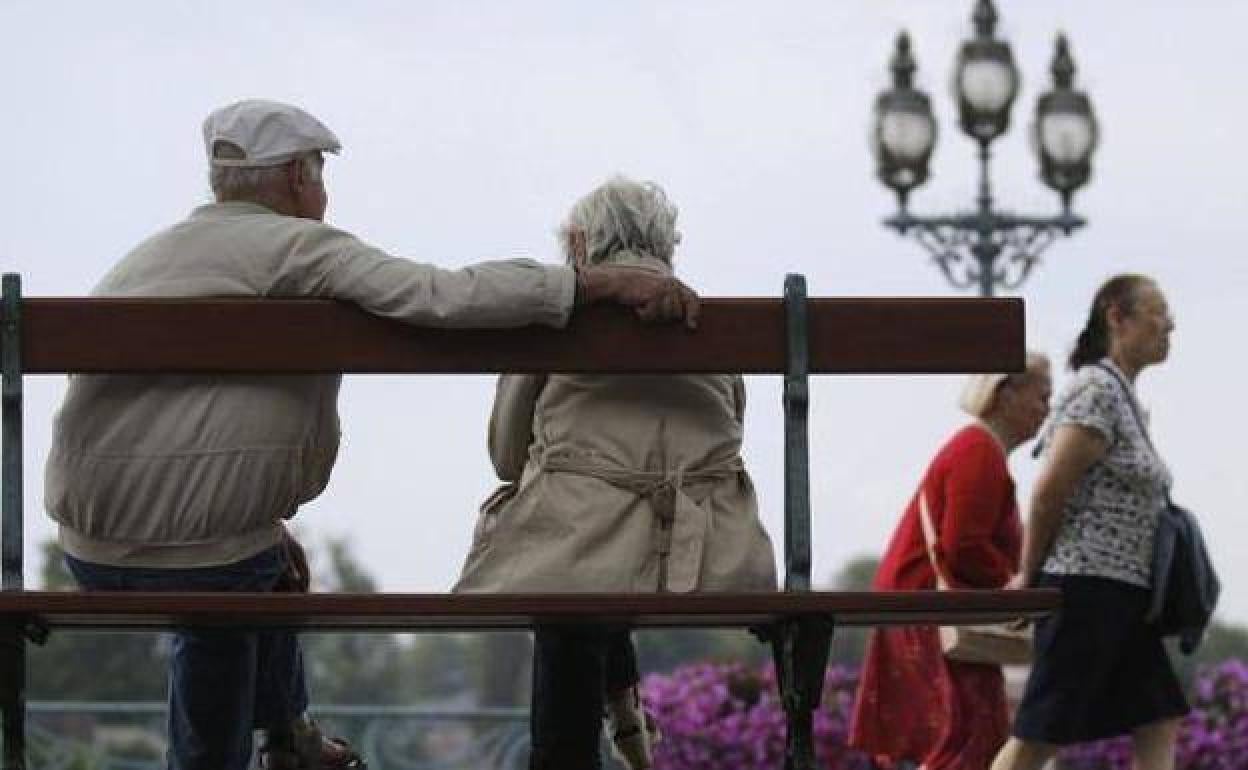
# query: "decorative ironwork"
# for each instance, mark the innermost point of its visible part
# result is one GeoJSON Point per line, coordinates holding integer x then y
{"type": "Point", "coordinates": [987, 250]}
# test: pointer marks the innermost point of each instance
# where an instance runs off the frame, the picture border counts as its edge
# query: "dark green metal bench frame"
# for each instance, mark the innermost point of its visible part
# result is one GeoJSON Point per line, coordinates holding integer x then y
{"type": "Point", "coordinates": [797, 337]}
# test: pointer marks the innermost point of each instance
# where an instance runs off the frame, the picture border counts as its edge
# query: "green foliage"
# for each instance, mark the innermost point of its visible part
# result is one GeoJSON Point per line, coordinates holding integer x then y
{"type": "Point", "coordinates": [857, 575]}
{"type": "Point", "coordinates": [351, 668]}
{"type": "Point", "coordinates": [53, 574]}
{"type": "Point", "coordinates": [345, 573]}
{"type": "Point", "coordinates": [1223, 642]}
{"type": "Point", "coordinates": [342, 668]}
{"type": "Point", "coordinates": [504, 662]}
{"type": "Point", "coordinates": [442, 665]}
{"type": "Point", "coordinates": [92, 666]}
{"type": "Point", "coordinates": [849, 644]}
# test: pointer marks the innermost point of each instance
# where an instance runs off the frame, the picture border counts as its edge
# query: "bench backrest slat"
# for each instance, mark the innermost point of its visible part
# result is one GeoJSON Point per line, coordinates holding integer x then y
{"type": "Point", "coordinates": [795, 336]}
{"type": "Point", "coordinates": [736, 335]}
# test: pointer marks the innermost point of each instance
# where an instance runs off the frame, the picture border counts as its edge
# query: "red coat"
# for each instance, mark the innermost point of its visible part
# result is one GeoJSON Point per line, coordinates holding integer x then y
{"type": "Point", "coordinates": [913, 703]}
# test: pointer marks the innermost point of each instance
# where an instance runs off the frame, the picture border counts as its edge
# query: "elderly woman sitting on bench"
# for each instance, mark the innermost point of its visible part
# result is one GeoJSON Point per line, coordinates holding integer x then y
{"type": "Point", "coordinates": [614, 483]}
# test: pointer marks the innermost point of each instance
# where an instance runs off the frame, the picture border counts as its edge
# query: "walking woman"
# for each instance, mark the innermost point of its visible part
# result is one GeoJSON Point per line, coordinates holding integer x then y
{"type": "Point", "coordinates": [1100, 669]}
{"type": "Point", "coordinates": [914, 704]}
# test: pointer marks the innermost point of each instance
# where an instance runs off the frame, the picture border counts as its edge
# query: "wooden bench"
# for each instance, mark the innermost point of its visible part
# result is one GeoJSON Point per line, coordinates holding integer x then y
{"type": "Point", "coordinates": [795, 337]}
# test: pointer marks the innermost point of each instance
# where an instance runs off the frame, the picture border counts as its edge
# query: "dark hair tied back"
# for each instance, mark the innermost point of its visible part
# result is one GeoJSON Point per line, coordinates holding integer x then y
{"type": "Point", "coordinates": [1093, 343]}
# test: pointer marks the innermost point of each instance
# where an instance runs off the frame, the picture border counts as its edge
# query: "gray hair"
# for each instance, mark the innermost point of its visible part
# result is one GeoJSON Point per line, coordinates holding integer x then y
{"type": "Point", "coordinates": [252, 182]}
{"type": "Point", "coordinates": [623, 217]}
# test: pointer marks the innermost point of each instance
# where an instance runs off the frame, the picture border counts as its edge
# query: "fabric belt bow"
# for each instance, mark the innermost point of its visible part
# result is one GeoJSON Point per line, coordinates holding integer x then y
{"type": "Point", "coordinates": [682, 524]}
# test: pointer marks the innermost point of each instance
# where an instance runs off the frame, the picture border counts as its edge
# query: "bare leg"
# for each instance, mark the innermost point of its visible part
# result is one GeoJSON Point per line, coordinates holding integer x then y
{"type": "Point", "coordinates": [1153, 745]}
{"type": "Point", "coordinates": [1023, 755]}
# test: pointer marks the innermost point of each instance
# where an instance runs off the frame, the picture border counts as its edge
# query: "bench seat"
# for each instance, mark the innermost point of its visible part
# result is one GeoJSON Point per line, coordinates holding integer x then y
{"type": "Point", "coordinates": [463, 612]}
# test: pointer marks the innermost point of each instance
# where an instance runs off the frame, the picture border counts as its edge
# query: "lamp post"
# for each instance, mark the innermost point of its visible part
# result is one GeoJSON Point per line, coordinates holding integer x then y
{"type": "Point", "coordinates": [986, 247]}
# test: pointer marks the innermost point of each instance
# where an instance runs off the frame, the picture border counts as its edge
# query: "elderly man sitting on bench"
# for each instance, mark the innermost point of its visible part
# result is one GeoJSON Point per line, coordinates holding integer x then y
{"type": "Point", "coordinates": [170, 482]}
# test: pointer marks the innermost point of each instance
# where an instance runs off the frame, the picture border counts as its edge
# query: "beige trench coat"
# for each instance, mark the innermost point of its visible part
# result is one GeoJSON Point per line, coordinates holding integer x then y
{"type": "Point", "coordinates": [180, 471]}
{"type": "Point", "coordinates": [619, 483]}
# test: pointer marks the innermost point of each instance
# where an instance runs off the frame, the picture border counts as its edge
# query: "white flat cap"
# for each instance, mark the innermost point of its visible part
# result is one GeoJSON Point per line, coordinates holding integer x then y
{"type": "Point", "coordinates": [268, 133]}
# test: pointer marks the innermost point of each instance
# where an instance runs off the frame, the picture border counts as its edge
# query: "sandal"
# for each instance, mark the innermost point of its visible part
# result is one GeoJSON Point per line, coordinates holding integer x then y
{"type": "Point", "coordinates": [306, 748]}
{"type": "Point", "coordinates": [633, 730]}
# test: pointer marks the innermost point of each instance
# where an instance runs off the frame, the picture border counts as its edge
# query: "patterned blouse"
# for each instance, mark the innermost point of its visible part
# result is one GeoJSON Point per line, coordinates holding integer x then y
{"type": "Point", "coordinates": [1108, 523]}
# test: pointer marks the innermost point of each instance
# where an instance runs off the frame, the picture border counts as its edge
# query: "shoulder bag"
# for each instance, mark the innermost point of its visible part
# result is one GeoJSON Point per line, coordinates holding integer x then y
{"type": "Point", "coordinates": [1185, 584]}
{"type": "Point", "coordinates": [993, 643]}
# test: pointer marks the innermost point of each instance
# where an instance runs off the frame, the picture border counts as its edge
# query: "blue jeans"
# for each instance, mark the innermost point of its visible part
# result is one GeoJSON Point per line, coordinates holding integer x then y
{"type": "Point", "coordinates": [223, 682]}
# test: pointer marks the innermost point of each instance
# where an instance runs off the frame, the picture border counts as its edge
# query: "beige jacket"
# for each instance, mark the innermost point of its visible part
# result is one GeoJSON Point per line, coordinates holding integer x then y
{"type": "Point", "coordinates": [620, 483]}
{"type": "Point", "coordinates": [183, 471]}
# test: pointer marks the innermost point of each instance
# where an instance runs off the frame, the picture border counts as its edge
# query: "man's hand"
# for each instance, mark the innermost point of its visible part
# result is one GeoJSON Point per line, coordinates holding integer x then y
{"type": "Point", "coordinates": [653, 296]}
{"type": "Point", "coordinates": [295, 577]}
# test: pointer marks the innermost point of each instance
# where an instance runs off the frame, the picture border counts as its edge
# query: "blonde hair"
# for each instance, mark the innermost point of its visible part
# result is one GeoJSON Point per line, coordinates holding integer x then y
{"type": "Point", "coordinates": [980, 391]}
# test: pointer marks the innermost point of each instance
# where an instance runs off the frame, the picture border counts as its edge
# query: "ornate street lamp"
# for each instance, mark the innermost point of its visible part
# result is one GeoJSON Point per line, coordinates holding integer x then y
{"type": "Point", "coordinates": [905, 131]}
{"type": "Point", "coordinates": [1065, 132]}
{"type": "Point", "coordinates": [984, 248]}
{"type": "Point", "coordinates": [985, 80]}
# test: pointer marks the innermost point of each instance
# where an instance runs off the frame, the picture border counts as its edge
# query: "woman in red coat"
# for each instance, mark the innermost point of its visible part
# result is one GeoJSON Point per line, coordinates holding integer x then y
{"type": "Point", "coordinates": [913, 703]}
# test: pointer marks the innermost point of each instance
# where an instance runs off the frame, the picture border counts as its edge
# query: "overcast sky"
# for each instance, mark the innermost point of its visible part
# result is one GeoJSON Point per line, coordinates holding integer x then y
{"type": "Point", "coordinates": [469, 128]}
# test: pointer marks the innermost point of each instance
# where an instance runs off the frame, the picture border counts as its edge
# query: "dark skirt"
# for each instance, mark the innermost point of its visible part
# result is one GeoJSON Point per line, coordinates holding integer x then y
{"type": "Point", "coordinates": [1100, 670]}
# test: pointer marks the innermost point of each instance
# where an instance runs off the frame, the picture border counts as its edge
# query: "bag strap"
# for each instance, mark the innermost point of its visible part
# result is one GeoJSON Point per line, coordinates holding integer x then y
{"type": "Point", "coordinates": [929, 539]}
{"type": "Point", "coordinates": [1130, 396]}
{"type": "Point", "coordinates": [1135, 412]}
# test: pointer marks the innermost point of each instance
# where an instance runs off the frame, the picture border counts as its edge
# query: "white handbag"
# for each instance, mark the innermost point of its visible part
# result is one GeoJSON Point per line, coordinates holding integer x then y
{"type": "Point", "coordinates": [995, 643]}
